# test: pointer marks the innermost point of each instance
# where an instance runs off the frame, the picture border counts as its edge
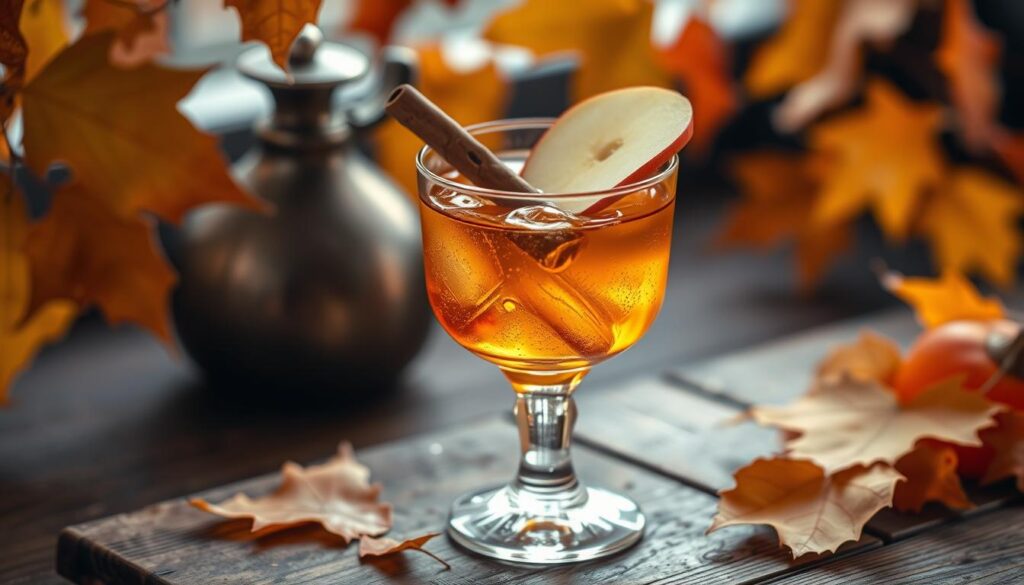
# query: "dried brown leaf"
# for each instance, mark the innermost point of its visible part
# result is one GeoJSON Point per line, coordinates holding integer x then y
{"type": "Point", "coordinates": [1007, 440]}
{"type": "Point", "coordinates": [274, 23]}
{"type": "Point", "coordinates": [931, 475]}
{"type": "Point", "coordinates": [872, 357]}
{"type": "Point", "coordinates": [375, 547]}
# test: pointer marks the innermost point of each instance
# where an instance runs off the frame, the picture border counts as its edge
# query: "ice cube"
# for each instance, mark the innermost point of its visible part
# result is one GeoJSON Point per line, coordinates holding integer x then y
{"type": "Point", "coordinates": [542, 217]}
{"type": "Point", "coordinates": [449, 200]}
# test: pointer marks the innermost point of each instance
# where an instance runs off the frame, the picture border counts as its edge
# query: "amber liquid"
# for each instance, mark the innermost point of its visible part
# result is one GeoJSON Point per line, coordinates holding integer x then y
{"type": "Point", "coordinates": [497, 292]}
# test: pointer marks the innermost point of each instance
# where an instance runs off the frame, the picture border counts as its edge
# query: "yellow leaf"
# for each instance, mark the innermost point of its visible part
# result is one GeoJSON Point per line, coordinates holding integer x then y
{"type": "Point", "coordinates": [797, 51]}
{"type": "Point", "coordinates": [84, 252]}
{"type": "Point", "coordinates": [872, 357]}
{"type": "Point", "coordinates": [274, 23]}
{"type": "Point", "coordinates": [21, 337]}
{"type": "Point", "coordinates": [949, 298]}
{"type": "Point", "coordinates": [931, 475]}
{"type": "Point", "coordinates": [886, 155]}
{"type": "Point", "coordinates": [120, 132]}
{"type": "Point", "coordinates": [847, 422]}
{"type": "Point", "coordinates": [971, 224]}
{"type": "Point", "coordinates": [612, 39]}
{"type": "Point", "coordinates": [1007, 440]}
{"type": "Point", "coordinates": [42, 24]}
{"type": "Point", "coordinates": [467, 96]}
{"type": "Point", "coordinates": [811, 512]}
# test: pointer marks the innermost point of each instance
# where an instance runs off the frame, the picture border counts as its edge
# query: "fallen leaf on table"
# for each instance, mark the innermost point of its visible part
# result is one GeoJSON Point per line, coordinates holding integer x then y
{"type": "Point", "coordinates": [937, 301]}
{"type": "Point", "coordinates": [141, 26]}
{"type": "Point", "coordinates": [336, 494]}
{"type": "Point", "coordinates": [847, 422]}
{"type": "Point", "coordinates": [971, 222]}
{"type": "Point", "coordinates": [84, 252]}
{"type": "Point", "coordinates": [811, 512]}
{"type": "Point", "coordinates": [878, 22]}
{"type": "Point", "coordinates": [274, 23]}
{"type": "Point", "coordinates": [1007, 440]}
{"type": "Point", "coordinates": [931, 475]}
{"type": "Point", "coordinates": [468, 95]}
{"type": "Point", "coordinates": [872, 357]}
{"type": "Point", "coordinates": [702, 62]}
{"type": "Point", "coordinates": [612, 38]}
{"type": "Point", "coordinates": [21, 338]}
{"type": "Point", "coordinates": [968, 55]}
{"type": "Point", "coordinates": [152, 158]}
{"type": "Point", "coordinates": [797, 51]}
{"type": "Point", "coordinates": [888, 176]}
{"type": "Point", "coordinates": [375, 547]}
{"type": "Point", "coordinates": [779, 193]}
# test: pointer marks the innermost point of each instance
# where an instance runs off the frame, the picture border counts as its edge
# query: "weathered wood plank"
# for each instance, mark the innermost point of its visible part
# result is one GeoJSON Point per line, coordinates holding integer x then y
{"type": "Point", "coordinates": [988, 549]}
{"type": "Point", "coordinates": [170, 543]}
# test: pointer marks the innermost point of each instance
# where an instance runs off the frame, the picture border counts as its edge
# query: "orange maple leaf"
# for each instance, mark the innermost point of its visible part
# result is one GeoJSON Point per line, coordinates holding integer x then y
{"type": "Point", "coordinates": [21, 335]}
{"type": "Point", "coordinates": [811, 512]}
{"type": "Point", "coordinates": [971, 224]}
{"type": "Point", "coordinates": [779, 195]}
{"type": "Point", "coordinates": [872, 357]}
{"type": "Point", "coordinates": [701, 61]}
{"type": "Point", "coordinates": [141, 26]}
{"type": "Point", "coordinates": [336, 494]}
{"type": "Point", "coordinates": [468, 96]}
{"type": "Point", "coordinates": [931, 475]}
{"type": "Point", "coordinates": [274, 23]}
{"type": "Point", "coordinates": [375, 547]}
{"type": "Point", "coordinates": [890, 175]}
{"type": "Point", "coordinates": [937, 301]}
{"type": "Point", "coordinates": [30, 35]}
{"type": "Point", "coordinates": [847, 422]}
{"type": "Point", "coordinates": [968, 55]}
{"type": "Point", "coordinates": [42, 24]}
{"type": "Point", "coordinates": [611, 38]}
{"type": "Point", "coordinates": [84, 252]}
{"type": "Point", "coordinates": [797, 51]}
{"type": "Point", "coordinates": [376, 17]}
{"type": "Point", "coordinates": [1007, 439]}
{"type": "Point", "coordinates": [152, 158]}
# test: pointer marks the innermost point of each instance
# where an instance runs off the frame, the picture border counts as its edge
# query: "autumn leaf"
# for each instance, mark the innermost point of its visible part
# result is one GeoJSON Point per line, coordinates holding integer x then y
{"type": "Point", "coordinates": [42, 24]}
{"type": "Point", "coordinates": [847, 422]}
{"type": "Point", "coordinates": [376, 17]}
{"type": "Point", "coordinates": [469, 96]}
{"type": "Point", "coordinates": [31, 33]}
{"type": "Point", "coordinates": [151, 159]}
{"type": "Point", "coordinates": [21, 337]}
{"type": "Point", "coordinates": [612, 39]}
{"type": "Point", "coordinates": [797, 51]}
{"type": "Point", "coordinates": [375, 547]}
{"type": "Point", "coordinates": [937, 301]}
{"type": "Point", "coordinates": [872, 358]}
{"type": "Point", "coordinates": [888, 175]}
{"type": "Point", "coordinates": [811, 512]}
{"type": "Point", "coordinates": [84, 252]}
{"type": "Point", "coordinates": [141, 26]}
{"type": "Point", "coordinates": [1007, 439]}
{"type": "Point", "coordinates": [336, 494]}
{"type": "Point", "coordinates": [1009, 147]}
{"type": "Point", "coordinates": [13, 52]}
{"type": "Point", "coordinates": [274, 23]}
{"type": "Point", "coordinates": [931, 475]}
{"type": "Point", "coordinates": [968, 55]}
{"type": "Point", "coordinates": [971, 223]}
{"type": "Point", "coordinates": [779, 195]}
{"type": "Point", "coordinates": [701, 61]}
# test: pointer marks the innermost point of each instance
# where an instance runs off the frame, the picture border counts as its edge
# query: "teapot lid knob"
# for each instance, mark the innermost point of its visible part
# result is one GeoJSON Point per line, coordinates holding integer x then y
{"type": "Point", "coordinates": [305, 46]}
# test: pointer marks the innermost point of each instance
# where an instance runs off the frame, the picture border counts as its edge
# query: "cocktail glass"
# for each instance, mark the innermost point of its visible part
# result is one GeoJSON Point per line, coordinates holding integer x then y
{"type": "Point", "coordinates": [545, 286]}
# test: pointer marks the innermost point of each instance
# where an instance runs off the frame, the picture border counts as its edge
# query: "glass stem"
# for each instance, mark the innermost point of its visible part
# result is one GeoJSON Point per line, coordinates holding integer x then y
{"type": "Point", "coordinates": [545, 417]}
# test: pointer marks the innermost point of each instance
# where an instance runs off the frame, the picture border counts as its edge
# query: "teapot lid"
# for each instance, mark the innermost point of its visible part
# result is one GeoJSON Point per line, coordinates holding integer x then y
{"type": "Point", "coordinates": [312, 63]}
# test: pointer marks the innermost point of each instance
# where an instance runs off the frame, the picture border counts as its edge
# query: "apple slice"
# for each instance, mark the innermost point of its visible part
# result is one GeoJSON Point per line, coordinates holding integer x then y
{"type": "Point", "coordinates": [611, 139]}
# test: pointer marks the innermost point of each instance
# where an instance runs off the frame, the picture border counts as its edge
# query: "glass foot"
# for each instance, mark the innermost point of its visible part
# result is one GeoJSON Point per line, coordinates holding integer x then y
{"type": "Point", "coordinates": [516, 524]}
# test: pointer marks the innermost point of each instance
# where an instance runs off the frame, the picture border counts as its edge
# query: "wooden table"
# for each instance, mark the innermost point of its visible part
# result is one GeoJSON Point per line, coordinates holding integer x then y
{"type": "Point", "coordinates": [107, 422]}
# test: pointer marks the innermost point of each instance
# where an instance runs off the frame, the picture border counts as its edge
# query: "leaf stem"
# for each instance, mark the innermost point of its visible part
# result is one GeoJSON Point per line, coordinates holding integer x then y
{"type": "Point", "coordinates": [447, 567]}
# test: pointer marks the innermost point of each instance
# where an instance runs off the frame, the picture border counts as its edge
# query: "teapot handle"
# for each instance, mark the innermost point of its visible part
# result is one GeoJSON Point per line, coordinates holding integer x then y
{"type": "Point", "coordinates": [397, 65]}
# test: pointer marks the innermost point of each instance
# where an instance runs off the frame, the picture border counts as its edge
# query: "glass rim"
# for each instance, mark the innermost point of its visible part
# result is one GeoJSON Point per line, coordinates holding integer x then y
{"type": "Point", "coordinates": [536, 123]}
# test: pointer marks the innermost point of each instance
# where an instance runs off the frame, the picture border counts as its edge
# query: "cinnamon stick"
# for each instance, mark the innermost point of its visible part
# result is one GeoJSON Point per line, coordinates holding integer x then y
{"type": "Point", "coordinates": [464, 152]}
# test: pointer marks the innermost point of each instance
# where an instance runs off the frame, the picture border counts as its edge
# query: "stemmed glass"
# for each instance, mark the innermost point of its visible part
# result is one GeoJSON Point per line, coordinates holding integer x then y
{"type": "Point", "coordinates": [545, 286]}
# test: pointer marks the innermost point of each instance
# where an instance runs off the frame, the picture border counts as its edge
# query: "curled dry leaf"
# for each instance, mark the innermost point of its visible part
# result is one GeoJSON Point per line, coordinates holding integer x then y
{"type": "Point", "coordinates": [375, 547]}
{"type": "Point", "coordinates": [812, 512]}
{"type": "Point", "coordinates": [872, 357]}
{"type": "Point", "coordinates": [848, 422]}
{"type": "Point", "coordinates": [948, 298]}
{"type": "Point", "coordinates": [274, 23]}
{"type": "Point", "coordinates": [887, 176]}
{"type": "Point", "coordinates": [931, 475]}
{"type": "Point", "coordinates": [1007, 440]}
{"type": "Point", "coordinates": [336, 494]}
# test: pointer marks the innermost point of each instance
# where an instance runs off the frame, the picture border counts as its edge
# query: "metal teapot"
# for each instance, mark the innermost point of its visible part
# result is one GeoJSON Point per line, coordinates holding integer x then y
{"type": "Point", "coordinates": [324, 293]}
